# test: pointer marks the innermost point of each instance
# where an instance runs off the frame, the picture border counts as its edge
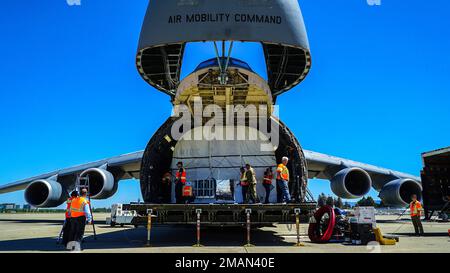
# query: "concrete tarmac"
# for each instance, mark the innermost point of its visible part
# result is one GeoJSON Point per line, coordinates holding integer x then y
{"type": "Point", "coordinates": [39, 233]}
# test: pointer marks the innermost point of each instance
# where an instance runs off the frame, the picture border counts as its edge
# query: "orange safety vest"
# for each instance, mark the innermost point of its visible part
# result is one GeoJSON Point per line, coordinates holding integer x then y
{"type": "Point", "coordinates": [282, 172]}
{"type": "Point", "coordinates": [181, 176]}
{"type": "Point", "coordinates": [77, 207]}
{"type": "Point", "coordinates": [267, 179]}
{"type": "Point", "coordinates": [415, 208]}
{"type": "Point", "coordinates": [69, 201]}
{"type": "Point", "coordinates": [244, 179]}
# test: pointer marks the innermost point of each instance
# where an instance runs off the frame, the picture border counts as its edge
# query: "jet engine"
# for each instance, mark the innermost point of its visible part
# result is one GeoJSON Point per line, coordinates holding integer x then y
{"type": "Point", "coordinates": [398, 192]}
{"type": "Point", "coordinates": [351, 183]}
{"type": "Point", "coordinates": [45, 193]}
{"type": "Point", "coordinates": [102, 183]}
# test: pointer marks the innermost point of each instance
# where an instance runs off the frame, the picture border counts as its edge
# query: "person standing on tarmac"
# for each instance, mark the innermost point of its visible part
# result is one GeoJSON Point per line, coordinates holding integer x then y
{"type": "Point", "coordinates": [416, 209]}
{"type": "Point", "coordinates": [283, 180]}
{"type": "Point", "coordinates": [80, 214]}
{"type": "Point", "coordinates": [267, 183]}
{"type": "Point", "coordinates": [244, 185]}
{"type": "Point", "coordinates": [66, 226]}
{"type": "Point", "coordinates": [180, 181]}
{"type": "Point", "coordinates": [251, 180]}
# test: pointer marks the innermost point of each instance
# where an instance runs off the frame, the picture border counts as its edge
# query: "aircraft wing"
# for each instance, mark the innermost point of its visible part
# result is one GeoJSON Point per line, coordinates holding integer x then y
{"type": "Point", "coordinates": [349, 179]}
{"type": "Point", "coordinates": [319, 166]}
{"type": "Point", "coordinates": [127, 165]}
{"type": "Point", "coordinates": [323, 166]}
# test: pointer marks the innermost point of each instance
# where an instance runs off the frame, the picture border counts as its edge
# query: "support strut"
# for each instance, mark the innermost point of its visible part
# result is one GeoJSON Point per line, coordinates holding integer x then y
{"type": "Point", "coordinates": [248, 212]}
{"type": "Point", "coordinates": [223, 66]}
{"type": "Point", "coordinates": [297, 225]}
{"type": "Point", "coordinates": [149, 226]}
{"type": "Point", "coordinates": [199, 212]}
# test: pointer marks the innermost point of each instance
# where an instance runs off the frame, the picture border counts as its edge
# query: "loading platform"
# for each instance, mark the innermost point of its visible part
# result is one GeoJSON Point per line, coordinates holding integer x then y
{"type": "Point", "coordinates": [221, 214]}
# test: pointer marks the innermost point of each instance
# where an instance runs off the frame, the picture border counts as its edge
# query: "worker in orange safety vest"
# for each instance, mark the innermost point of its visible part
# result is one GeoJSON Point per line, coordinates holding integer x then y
{"type": "Point", "coordinates": [68, 202]}
{"type": "Point", "coordinates": [416, 209]}
{"type": "Point", "coordinates": [80, 214]}
{"type": "Point", "coordinates": [180, 182]}
{"type": "Point", "coordinates": [66, 226]}
{"type": "Point", "coordinates": [283, 181]}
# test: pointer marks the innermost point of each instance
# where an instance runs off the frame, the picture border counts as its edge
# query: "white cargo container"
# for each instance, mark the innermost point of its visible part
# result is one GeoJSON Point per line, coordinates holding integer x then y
{"type": "Point", "coordinates": [119, 216]}
{"type": "Point", "coordinates": [365, 215]}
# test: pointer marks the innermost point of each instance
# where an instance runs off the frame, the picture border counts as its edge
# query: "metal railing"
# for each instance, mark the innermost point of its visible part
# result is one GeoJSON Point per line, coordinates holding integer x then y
{"type": "Point", "coordinates": [204, 189]}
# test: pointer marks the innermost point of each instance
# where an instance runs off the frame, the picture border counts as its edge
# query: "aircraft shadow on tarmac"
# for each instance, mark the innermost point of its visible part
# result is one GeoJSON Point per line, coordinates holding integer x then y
{"type": "Point", "coordinates": [41, 221]}
{"type": "Point", "coordinates": [398, 221]}
{"type": "Point", "coordinates": [51, 222]}
{"type": "Point", "coordinates": [162, 236]}
{"type": "Point", "coordinates": [427, 234]}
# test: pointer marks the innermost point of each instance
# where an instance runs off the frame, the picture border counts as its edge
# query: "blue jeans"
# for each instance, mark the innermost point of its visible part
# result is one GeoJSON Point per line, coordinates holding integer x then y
{"type": "Point", "coordinates": [283, 185]}
{"type": "Point", "coordinates": [268, 188]}
{"type": "Point", "coordinates": [244, 194]}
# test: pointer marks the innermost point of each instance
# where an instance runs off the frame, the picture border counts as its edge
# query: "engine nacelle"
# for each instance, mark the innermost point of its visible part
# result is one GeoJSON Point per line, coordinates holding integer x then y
{"type": "Point", "coordinates": [102, 184]}
{"type": "Point", "coordinates": [398, 192]}
{"type": "Point", "coordinates": [45, 193]}
{"type": "Point", "coordinates": [351, 183]}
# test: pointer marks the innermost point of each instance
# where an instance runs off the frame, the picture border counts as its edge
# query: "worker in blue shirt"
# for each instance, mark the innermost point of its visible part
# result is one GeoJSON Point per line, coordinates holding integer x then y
{"type": "Point", "coordinates": [87, 207]}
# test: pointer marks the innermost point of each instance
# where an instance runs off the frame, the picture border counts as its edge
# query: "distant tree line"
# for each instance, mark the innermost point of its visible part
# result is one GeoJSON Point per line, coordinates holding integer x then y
{"type": "Point", "coordinates": [101, 210]}
{"type": "Point", "coordinates": [332, 201]}
{"type": "Point", "coordinates": [323, 200]}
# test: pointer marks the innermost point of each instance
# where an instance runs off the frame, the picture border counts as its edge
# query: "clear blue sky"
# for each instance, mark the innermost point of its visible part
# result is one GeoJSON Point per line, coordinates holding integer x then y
{"type": "Point", "coordinates": [378, 92]}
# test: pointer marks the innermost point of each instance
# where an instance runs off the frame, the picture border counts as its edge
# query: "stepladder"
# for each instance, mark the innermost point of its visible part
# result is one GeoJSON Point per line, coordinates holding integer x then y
{"type": "Point", "coordinates": [83, 183]}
